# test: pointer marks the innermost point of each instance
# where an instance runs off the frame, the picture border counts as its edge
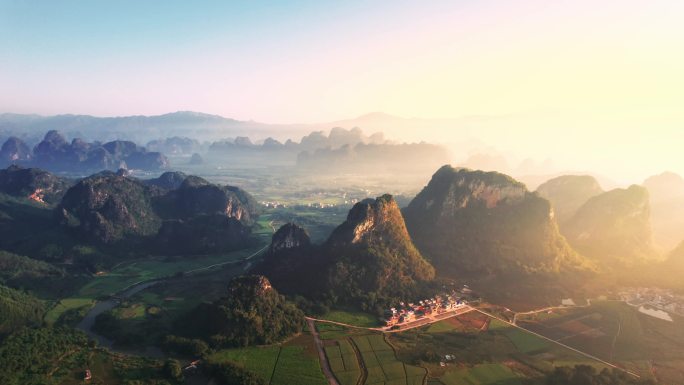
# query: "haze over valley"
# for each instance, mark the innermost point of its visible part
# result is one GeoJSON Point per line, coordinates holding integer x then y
{"type": "Point", "coordinates": [300, 193]}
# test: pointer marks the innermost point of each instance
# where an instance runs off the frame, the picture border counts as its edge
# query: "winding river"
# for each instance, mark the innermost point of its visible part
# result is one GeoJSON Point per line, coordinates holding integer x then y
{"type": "Point", "coordinates": [86, 324]}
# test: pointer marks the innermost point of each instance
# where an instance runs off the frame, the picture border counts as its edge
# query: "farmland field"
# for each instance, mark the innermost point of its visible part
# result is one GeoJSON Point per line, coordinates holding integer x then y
{"type": "Point", "coordinates": [616, 332]}
{"type": "Point", "coordinates": [471, 349]}
{"type": "Point", "coordinates": [343, 362]}
{"type": "Point", "coordinates": [352, 318]}
{"type": "Point", "coordinates": [294, 362]}
{"type": "Point", "coordinates": [482, 374]}
{"type": "Point", "coordinates": [378, 360]}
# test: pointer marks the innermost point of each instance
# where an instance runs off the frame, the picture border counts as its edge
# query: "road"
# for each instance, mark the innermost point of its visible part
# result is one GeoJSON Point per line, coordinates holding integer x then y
{"type": "Point", "coordinates": [325, 365]}
{"type": "Point", "coordinates": [427, 320]}
{"type": "Point", "coordinates": [544, 310]}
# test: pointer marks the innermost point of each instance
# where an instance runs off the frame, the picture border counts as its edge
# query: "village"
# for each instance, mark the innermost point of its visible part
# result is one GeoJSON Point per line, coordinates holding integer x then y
{"type": "Point", "coordinates": [433, 307]}
{"type": "Point", "coordinates": [661, 299]}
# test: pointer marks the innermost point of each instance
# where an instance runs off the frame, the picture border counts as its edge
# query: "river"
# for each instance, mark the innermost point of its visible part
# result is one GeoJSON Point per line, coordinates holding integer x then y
{"type": "Point", "coordinates": [86, 324]}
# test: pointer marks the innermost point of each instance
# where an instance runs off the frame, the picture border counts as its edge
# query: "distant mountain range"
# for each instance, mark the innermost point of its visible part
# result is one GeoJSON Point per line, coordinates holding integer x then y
{"type": "Point", "coordinates": [204, 127]}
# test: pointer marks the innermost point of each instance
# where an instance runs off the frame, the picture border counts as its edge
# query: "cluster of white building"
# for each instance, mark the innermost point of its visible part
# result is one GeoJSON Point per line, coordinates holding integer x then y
{"type": "Point", "coordinates": [661, 299]}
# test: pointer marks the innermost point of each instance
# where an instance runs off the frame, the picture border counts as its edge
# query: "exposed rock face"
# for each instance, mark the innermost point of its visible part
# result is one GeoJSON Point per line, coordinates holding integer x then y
{"type": "Point", "coordinates": [666, 193]}
{"type": "Point", "coordinates": [32, 183]}
{"type": "Point", "coordinates": [614, 227]}
{"type": "Point", "coordinates": [14, 150]}
{"type": "Point", "coordinates": [568, 193]}
{"type": "Point", "coordinates": [249, 286]}
{"type": "Point", "coordinates": [289, 236]}
{"type": "Point", "coordinates": [475, 223]}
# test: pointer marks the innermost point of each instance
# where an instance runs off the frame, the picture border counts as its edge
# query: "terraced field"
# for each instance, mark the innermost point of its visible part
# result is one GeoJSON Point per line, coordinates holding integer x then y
{"type": "Point", "coordinates": [359, 357]}
{"type": "Point", "coordinates": [343, 362]}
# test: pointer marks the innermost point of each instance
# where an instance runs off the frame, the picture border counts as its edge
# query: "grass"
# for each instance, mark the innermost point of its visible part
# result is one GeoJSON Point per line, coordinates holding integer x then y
{"type": "Point", "coordinates": [443, 326]}
{"type": "Point", "coordinates": [65, 305]}
{"type": "Point", "coordinates": [483, 374]}
{"type": "Point", "coordinates": [354, 318]}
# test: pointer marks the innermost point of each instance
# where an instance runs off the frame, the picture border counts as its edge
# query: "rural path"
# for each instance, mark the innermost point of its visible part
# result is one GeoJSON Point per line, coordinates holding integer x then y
{"type": "Point", "coordinates": [543, 310]}
{"type": "Point", "coordinates": [403, 327]}
{"type": "Point", "coordinates": [325, 365]}
{"type": "Point", "coordinates": [561, 344]}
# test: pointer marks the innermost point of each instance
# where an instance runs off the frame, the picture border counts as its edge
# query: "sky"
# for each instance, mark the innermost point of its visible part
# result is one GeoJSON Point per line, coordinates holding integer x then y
{"type": "Point", "coordinates": [602, 75]}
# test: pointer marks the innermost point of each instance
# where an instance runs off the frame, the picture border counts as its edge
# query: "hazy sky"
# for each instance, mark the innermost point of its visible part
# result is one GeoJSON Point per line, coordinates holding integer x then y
{"type": "Point", "coordinates": [608, 71]}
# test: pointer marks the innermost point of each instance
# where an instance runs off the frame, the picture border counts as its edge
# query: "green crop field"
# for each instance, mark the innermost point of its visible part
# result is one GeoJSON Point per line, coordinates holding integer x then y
{"type": "Point", "coordinates": [260, 360]}
{"type": "Point", "coordinates": [294, 366]}
{"type": "Point", "coordinates": [382, 364]}
{"type": "Point", "coordinates": [484, 374]}
{"type": "Point", "coordinates": [293, 363]}
{"type": "Point", "coordinates": [352, 318]}
{"type": "Point", "coordinates": [343, 362]}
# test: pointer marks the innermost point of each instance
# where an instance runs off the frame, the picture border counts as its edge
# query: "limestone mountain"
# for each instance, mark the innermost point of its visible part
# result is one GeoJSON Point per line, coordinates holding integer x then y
{"type": "Point", "coordinates": [169, 180]}
{"type": "Point", "coordinates": [477, 224]}
{"type": "Point", "coordinates": [666, 192]}
{"type": "Point", "coordinates": [55, 153]}
{"type": "Point", "coordinates": [288, 237]}
{"type": "Point", "coordinates": [568, 193]}
{"type": "Point", "coordinates": [291, 262]}
{"type": "Point", "coordinates": [33, 183]}
{"type": "Point", "coordinates": [370, 254]}
{"type": "Point", "coordinates": [196, 196]}
{"type": "Point", "coordinates": [14, 150]}
{"type": "Point", "coordinates": [195, 217]}
{"type": "Point", "coordinates": [251, 313]}
{"type": "Point", "coordinates": [614, 227]}
{"type": "Point", "coordinates": [373, 252]}
{"type": "Point", "coordinates": [109, 207]}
